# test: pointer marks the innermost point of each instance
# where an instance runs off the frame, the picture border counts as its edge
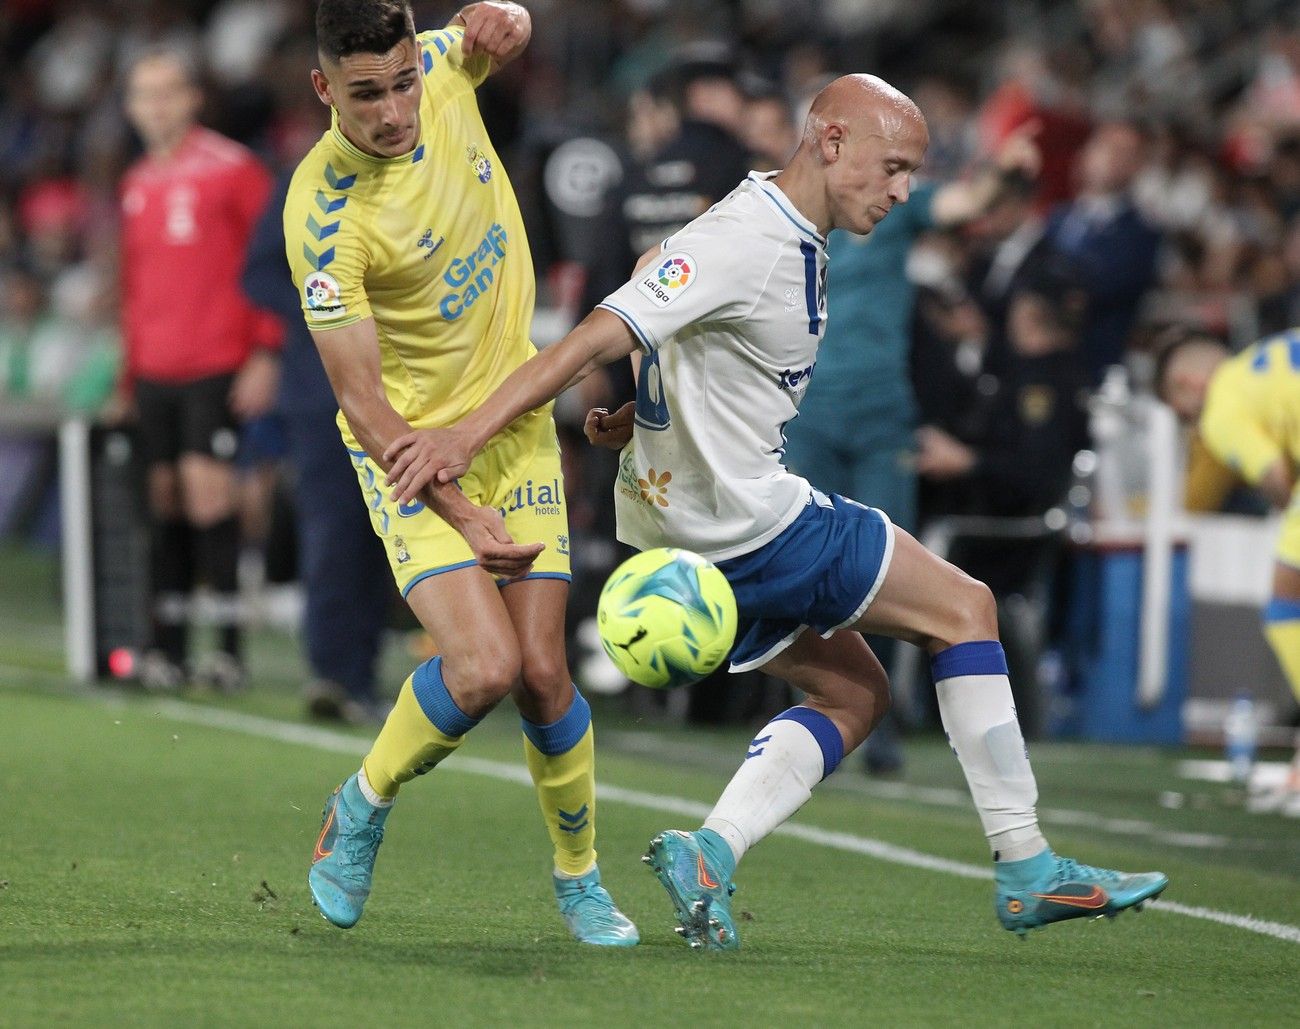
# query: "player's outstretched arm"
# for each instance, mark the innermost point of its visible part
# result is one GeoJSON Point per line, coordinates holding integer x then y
{"type": "Point", "coordinates": [500, 30]}
{"type": "Point", "coordinates": [351, 358]}
{"type": "Point", "coordinates": [423, 456]}
{"type": "Point", "coordinates": [1019, 158]}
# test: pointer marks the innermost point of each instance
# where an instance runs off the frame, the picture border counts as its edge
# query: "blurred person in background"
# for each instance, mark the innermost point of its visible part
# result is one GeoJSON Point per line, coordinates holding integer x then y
{"type": "Point", "coordinates": [768, 128]}
{"type": "Point", "coordinates": [347, 588]}
{"type": "Point", "coordinates": [854, 433]}
{"type": "Point", "coordinates": [1013, 453]}
{"type": "Point", "coordinates": [1110, 243]}
{"type": "Point", "coordinates": [687, 120]}
{"type": "Point", "coordinates": [1246, 409]}
{"type": "Point", "coordinates": [64, 352]}
{"type": "Point", "coordinates": [1007, 248]}
{"type": "Point", "coordinates": [199, 359]}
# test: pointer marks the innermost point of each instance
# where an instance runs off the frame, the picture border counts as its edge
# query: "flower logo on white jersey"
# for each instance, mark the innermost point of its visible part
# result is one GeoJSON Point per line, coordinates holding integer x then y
{"type": "Point", "coordinates": [654, 488]}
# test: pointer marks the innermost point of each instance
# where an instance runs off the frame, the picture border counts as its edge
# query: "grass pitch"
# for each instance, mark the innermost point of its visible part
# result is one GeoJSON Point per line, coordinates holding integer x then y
{"type": "Point", "coordinates": [153, 872]}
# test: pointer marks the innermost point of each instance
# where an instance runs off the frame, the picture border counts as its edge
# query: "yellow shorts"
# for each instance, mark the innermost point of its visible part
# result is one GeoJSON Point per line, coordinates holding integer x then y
{"type": "Point", "coordinates": [518, 473]}
{"type": "Point", "coordinates": [1288, 539]}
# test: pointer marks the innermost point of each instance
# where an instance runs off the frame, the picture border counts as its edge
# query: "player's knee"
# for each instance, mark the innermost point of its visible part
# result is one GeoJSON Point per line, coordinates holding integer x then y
{"type": "Point", "coordinates": [980, 611]}
{"type": "Point", "coordinates": [972, 612]}
{"type": "Point", "coordinates": [484, 675]}
{"type": "Point", "coordinates": [545, 674]}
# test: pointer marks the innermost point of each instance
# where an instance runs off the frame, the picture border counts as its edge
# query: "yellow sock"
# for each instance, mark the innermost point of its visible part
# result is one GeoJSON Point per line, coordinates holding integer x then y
{"type": "Point", "coordinates": [566, 784]}
{"type": "Point", "coordinates": [1283, 635]}
{"type": "Point", "coordinates": [410, 744]}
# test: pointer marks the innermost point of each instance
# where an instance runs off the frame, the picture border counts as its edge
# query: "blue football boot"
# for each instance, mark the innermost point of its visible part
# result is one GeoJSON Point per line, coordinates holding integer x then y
{"type": "Point", "coordinates": [695, 868]}
{"type": "Point", "coordinates": [344, 861]}
{"type": "Point", "coordinates": [589, 912]}
{"type": "Point", "coordinates": [1046, 888]}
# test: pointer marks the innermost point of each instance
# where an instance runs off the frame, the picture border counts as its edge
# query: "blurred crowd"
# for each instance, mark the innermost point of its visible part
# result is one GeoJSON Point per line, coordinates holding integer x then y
{"type": "Point", "coordinates": [1165, 189]}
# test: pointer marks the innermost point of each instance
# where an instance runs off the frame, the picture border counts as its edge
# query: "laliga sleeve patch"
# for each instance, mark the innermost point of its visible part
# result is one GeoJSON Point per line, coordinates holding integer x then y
{"type": "Point", "coordinates": [666, 280]}
{"type": "Point", "coordinates": [323, 297]}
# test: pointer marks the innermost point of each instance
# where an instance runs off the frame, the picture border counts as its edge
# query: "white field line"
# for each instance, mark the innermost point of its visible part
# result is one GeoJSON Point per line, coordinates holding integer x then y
{"type": "Point", "coordinates": [653, 743]}
{"type": "Point", "coordinates": [342, 743]}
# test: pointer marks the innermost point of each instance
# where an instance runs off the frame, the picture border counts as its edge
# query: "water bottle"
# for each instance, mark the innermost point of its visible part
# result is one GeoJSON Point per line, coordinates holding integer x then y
{"type": "Point", "coordinates": [1240, 733]}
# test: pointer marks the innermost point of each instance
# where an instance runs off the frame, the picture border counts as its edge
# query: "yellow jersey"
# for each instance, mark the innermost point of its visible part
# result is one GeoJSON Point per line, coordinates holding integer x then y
{"type": "Point", "coordinates": [1252, 407]}
{"type": "Point", "coordinates": [431, 244]}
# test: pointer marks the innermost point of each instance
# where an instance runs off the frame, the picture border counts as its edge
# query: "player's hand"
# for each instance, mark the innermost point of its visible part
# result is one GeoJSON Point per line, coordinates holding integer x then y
{"type": "Point", "coordinates": [612, 431]}
{"type": "Point", "coordinates": [252, 393]}
{"type": "Point", "coordinates": [500, 30]}
{"type": "Point", "coordinates": [940, 455]}
{"type": "Point", "coordinates": [1019, 153]}
{"type": "Point", "coordinates": [423, 456]}
{"type": "Point", "coordinates": [485, 531]}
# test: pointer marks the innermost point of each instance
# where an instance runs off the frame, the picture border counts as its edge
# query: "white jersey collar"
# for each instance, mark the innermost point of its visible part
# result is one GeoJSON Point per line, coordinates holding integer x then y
{"type": "Point", "coordinates": [774, 196]}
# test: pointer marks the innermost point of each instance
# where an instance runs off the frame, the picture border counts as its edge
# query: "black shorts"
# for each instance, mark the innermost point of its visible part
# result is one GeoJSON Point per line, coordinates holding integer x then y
{"type": "Point", "coordinates": [186, 418]}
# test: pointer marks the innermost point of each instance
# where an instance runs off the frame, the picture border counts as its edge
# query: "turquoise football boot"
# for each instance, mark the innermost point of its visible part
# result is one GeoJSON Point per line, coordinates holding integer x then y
{"type": "Point", "coordinates": [1046, 888]}
{"type": "Point", "coordinates": [344, 861]}
{"type": "Point", "coordinates": [589, 912]}
{"type": "Point", "coordinates": [695, 868]}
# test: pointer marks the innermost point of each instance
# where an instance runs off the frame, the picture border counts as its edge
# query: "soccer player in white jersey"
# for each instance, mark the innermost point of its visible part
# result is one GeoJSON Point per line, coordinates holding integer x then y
{"type": "Point", "coordinates": [728, 315]}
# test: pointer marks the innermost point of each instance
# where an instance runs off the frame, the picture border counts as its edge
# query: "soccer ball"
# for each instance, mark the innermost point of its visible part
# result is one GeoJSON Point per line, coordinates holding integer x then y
{"type": "Point", "coordinates": [667, 618]}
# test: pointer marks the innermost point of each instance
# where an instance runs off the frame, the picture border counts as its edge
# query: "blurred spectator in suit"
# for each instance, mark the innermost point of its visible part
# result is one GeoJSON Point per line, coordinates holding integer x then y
{"type": "Point", "coordinates": [345, 578]}
{"type": "Point", "coordinates": [1109, 242]}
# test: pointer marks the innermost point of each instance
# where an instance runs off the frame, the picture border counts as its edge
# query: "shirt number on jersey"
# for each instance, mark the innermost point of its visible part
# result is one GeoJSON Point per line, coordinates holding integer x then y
{"type": "Point", "coordinates": [651, 404]}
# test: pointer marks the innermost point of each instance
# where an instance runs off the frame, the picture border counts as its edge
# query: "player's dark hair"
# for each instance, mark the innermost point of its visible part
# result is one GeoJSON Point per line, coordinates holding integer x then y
{"type": "Point", "coordinates": [345, 27]}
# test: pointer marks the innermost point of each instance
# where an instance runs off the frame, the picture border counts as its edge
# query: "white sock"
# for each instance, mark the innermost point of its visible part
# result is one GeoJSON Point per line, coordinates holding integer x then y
{"type": "Point", "coordinates": [790, 755]}
{"type": "Point", "coordinates": [979, 717]}
{"type": "Point", "coordinates": [368, 791]}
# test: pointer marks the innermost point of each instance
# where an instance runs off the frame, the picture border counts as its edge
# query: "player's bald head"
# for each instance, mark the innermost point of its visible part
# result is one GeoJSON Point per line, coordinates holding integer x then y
{"type": "Point", "coordinates": [861, 104]}
{"type": "Point", "coordinates": [862, 141]}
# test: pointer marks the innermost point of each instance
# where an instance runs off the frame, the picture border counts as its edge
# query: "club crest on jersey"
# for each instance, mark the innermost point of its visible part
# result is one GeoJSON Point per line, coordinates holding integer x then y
{"type": "Point", "coordinates": [323, 296]}
{"type": "Point", "coordinates": [673, 276]}
{"type": "Point", "coordinates": [479, 162]}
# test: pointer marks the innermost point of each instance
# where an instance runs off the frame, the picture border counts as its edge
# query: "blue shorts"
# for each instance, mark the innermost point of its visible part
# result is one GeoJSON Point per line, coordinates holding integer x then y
{"type": "Point", "coordinates": [822, 571]}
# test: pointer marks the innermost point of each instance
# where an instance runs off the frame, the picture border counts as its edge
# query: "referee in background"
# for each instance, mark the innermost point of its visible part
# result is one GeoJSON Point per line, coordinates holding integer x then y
{"type": "Point", "coordinates": [199, 359]}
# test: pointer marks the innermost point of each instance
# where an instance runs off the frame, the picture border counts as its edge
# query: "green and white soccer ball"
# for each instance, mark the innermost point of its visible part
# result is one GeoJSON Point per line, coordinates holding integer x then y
{"type": "Point", "coordinates": [667, 618]}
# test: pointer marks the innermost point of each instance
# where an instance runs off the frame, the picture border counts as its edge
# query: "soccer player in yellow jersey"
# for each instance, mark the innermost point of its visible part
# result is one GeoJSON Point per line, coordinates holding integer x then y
{"type": "Point", "coordinates": [1247, 410]}
{"type": "Point", "coordinates": [416, 283]}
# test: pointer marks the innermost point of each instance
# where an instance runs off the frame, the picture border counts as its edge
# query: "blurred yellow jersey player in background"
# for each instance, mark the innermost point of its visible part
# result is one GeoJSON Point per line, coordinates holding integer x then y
{"type": "Point", "coordinates": [1247, 411]}
{"type": "Point", "coordinates": [417, 285]}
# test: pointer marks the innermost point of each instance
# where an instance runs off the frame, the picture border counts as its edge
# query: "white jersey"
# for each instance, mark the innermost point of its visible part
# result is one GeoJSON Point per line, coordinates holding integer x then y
{"type": "Point", "coordinates": [729, 316]}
